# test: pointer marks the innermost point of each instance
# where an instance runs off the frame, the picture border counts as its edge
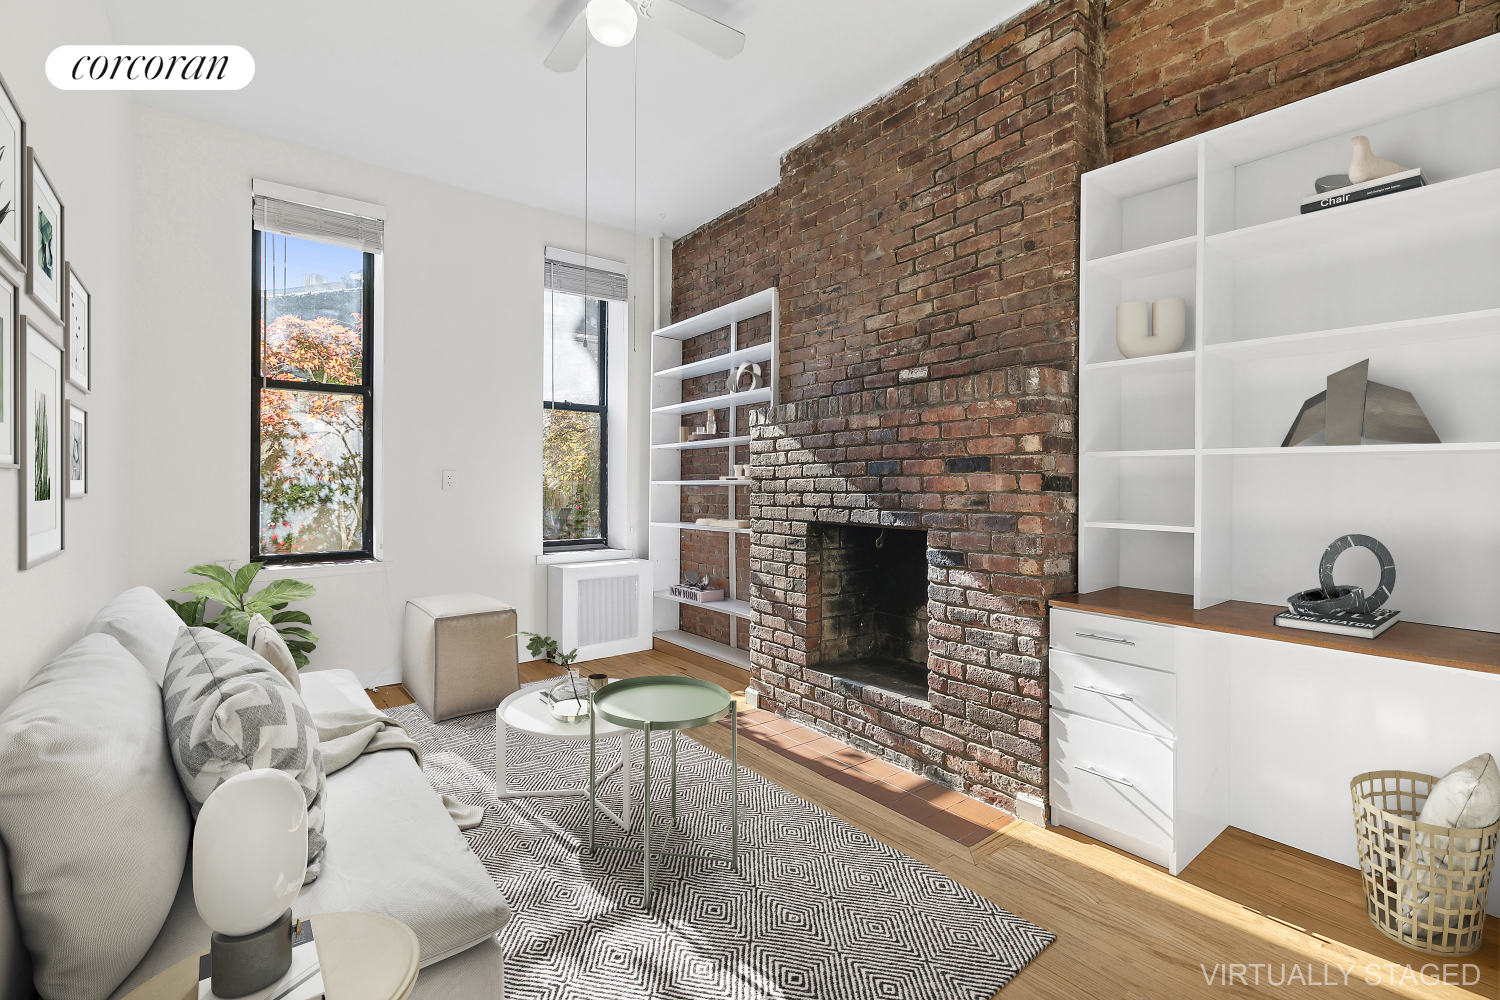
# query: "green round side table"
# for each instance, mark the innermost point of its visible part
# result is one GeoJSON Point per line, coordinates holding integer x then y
{"type": "Point", "coordinates": [653, 704]}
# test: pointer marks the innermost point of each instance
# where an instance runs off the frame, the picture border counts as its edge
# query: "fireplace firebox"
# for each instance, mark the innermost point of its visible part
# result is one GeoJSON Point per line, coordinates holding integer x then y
{"type": "Point", "coordinates": [874, 607]}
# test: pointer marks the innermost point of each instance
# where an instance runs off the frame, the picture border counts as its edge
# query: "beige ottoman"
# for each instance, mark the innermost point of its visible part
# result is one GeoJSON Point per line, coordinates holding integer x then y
{"type": "Point", "coordinates": [459, 654]}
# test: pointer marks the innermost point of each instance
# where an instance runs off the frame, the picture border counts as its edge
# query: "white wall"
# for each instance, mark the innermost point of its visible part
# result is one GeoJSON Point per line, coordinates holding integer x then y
{"type": "Point", "coordinates": [83, 140]}
{"type": "Point", "coordinates": [461, 380]}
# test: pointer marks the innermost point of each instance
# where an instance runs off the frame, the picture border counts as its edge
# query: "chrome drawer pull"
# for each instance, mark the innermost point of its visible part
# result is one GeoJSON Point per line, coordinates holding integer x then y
{"type": "Point", "coordinates": [1103, 638]}
{"type": "Point", "coordinates": [1108, 694]}
{"type": "Point", "coordinates": [1107, 777]}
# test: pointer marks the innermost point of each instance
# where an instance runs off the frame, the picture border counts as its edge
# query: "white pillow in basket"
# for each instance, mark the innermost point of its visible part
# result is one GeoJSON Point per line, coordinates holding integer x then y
{"type": "Point", "coordinates": [1466, 798]}
{"type": "Point", "coordinates": [265, 640]}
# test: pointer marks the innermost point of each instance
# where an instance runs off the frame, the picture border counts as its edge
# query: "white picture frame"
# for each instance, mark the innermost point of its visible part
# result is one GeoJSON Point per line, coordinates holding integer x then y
{"type": "Point", "coordinates": [39, 418]}
{"type": "Point", "coordinates": [78, 329]}
{"type": "Point", "coordinates": [76, 436]}
{"type": "Point", "coordinates": [12, 177]}
{"type": "Point", "coordinates": [46, 244]}
{"type": "Point", "coordinates": [10, 297]}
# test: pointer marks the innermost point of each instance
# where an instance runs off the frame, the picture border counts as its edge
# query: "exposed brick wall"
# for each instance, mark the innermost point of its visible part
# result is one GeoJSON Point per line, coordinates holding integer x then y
{"type": "Point", "coordinates": [985, 463]}
{"type": "Point", "coordinates": [933, 233]}
{"type": "Point", "coordinates": [1176, 68]}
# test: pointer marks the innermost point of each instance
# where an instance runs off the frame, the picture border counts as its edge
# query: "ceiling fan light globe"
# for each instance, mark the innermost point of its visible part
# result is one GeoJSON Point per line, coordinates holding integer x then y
{"type": "Point", "coordinates": [611, 22]}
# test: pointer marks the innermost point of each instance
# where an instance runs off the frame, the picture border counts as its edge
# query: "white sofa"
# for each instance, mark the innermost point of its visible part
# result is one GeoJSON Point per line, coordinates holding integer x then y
{"type": "Point", "coordinates": [392, 849]}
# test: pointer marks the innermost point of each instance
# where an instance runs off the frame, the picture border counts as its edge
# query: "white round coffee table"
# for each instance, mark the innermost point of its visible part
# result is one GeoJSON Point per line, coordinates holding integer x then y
{"type": "Point", "coordinates": [525, 710]}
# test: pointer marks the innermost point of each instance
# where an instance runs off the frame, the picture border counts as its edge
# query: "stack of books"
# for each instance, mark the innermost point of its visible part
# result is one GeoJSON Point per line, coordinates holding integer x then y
{"type": "Point", "coordinates": [702, 595]}
{"type": "Point", "coordinates": [1358, 624]}
{"type": "Point", "coordinates": [1390, 184]}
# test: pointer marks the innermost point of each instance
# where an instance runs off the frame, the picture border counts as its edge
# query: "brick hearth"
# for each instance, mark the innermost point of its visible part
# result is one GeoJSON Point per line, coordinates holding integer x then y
{"type": "Point", "coordinates": [984, 464]}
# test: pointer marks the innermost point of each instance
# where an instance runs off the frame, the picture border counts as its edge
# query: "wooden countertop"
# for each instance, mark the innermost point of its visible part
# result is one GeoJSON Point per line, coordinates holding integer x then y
{"type": "Point", "coordinates": [1451, 647]}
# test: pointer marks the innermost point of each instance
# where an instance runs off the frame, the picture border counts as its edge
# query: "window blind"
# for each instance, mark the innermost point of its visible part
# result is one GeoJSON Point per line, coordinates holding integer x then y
{"type": "Point", "coordinates": [324, 225]}
{"type": "Point", "coordinates": [575, 279]}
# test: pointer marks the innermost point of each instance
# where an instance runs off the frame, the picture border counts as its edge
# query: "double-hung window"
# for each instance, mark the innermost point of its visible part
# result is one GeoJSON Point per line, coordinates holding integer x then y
{"type": "Point", "coordinates": [575, 401]}
{"type": "Point", "coordinates": [312, 383]}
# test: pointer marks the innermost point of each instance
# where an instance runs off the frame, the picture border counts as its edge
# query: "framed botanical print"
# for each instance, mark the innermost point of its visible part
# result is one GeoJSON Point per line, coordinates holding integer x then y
{"type": "Point", "coordinates": [78, 451]}
{"type": "Point", "coordinates": [40, 404]}
{"type": "Point", "coordinates": [44, 240]}
{"type": "Point", "coordinates": [8, 410]}
{"type": "Point", "coordinates": [79, 334]}
{"type": "Point", "coordinates": [12, 176]}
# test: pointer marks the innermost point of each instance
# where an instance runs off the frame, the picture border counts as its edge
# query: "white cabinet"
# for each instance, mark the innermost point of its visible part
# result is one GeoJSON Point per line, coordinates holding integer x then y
{"type": "Point", "coordinates": [1138, 735]}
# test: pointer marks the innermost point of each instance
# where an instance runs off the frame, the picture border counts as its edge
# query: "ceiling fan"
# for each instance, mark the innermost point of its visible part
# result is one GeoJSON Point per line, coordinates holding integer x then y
{"type": "Point", "coordinates": [613, 22]}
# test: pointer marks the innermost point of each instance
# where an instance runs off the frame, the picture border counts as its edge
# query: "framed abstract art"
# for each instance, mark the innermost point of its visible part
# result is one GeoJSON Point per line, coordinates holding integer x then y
{"type": "Point", "coordinates": [78, 451]}
{"type": "Point", "coordinates": [78, 330]}
{"type": "Point", "coordinates": [8, 410]}
{"type": "Point", "coordinates": [40, 406]}
{"type": "Point", "coordinates": [44, 240]}
{"type": "Point", "coordinates": [12, 177]}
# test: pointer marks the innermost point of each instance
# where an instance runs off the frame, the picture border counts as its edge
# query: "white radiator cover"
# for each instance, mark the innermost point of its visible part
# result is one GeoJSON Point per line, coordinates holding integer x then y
{"type": "Point", "coordinates": [600, 608]}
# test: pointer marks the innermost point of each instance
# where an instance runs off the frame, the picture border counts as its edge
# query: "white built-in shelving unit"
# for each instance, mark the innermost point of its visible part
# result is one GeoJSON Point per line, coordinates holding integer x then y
{"type": "Point", "coordinates": [667, 484]}
{"type": "Point", "coordinates": [1182, 484]}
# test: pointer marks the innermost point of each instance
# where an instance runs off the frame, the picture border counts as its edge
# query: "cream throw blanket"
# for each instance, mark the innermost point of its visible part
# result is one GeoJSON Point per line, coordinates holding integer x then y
{"type": "Point", "coordinates": [345, 734]}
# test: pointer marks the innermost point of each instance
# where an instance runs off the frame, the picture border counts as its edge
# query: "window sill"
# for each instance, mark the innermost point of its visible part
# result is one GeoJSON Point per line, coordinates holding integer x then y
{"type": "Point", "coordinates": [582, 555]}
{"type": "Point", "coordinates": [317, 570]}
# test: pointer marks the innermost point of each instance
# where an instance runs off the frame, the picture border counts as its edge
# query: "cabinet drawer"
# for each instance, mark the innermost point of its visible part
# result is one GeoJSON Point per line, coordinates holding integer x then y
{"type": "Point", "coordinates": [1143, 643]}
{"type": "Point", "coordinates": [1114, 692]}
{"type": "Point", "coordinates": [1116, 780]}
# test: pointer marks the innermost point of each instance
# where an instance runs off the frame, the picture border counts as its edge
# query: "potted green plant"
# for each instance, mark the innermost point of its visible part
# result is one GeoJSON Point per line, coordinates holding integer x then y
{"type": "Point", "coordinates": [232, 592]}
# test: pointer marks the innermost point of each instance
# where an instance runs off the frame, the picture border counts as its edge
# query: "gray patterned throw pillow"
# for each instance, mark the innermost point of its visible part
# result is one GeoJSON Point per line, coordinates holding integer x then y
{"type": "Point", "coordinates": [229, 711]}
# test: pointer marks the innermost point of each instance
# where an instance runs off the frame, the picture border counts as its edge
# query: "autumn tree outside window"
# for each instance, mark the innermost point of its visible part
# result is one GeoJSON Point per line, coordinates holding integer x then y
{"type": "Point", "coordinates": [312, 389]}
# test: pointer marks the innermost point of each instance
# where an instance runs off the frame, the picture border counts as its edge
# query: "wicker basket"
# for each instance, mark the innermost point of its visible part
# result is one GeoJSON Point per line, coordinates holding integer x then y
{"type": "Point", "coordinates": [1425, 886]}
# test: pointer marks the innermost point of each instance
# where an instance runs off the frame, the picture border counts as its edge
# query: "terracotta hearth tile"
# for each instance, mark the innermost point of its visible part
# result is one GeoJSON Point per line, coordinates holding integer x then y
{"type": "Point", "coordinates": [940, 795]}
{"type": "Point", "coordinates": [777, 724]}
{"type": "Point", "coordinates": [877, 768]}
{"type": "Point", "coordinates": [976, 812]}
{"type": "Point", "coordinates": [780, 741]}
{"type": "Point", "coordinates": [881, 793]}
{"type": "Point", "coordinates": [976, 837]}
{"type": "Point", "coordinates": [953, 827]}
{"type": "Point", "coordinates": [849, 757]}
{"type": "Point", "coordinates": [851, 777]}
{"type": "Point", "coordinates": [905, 780]}
{"type": "Point", "coordinates": [824, 745]}
{"type": "Point", "coordinates": [825, 765]}
{"type": "Point", "coordinates": [915, 807]}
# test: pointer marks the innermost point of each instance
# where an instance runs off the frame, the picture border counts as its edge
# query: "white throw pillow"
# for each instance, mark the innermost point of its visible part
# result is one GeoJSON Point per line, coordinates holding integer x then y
{"type": "Point", "coordinates": [265, 640]}
{"type": "Point", "coordinates": [145, 625]}
{"type": "Point", "coordinates": [229, 711]}
{"type": "Point", "coordinates": [93, 818]}
{"type": "Point", "coordinates": [1467, 797]}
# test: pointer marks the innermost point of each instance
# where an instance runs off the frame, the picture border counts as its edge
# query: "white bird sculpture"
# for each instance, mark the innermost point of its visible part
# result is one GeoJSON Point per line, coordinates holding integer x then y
{"type": "Point", "coordinates": [1366, 166]}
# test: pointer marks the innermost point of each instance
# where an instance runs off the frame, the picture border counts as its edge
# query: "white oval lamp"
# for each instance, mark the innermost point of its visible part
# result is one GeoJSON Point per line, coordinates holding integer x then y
{"type": "Point", "coordinates": [611, 22]}
{"type": "Point", "coordinates": [249, 857]}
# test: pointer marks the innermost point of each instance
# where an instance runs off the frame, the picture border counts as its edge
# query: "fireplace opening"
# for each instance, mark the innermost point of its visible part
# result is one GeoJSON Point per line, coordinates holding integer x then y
{"type": "Point", "coordinates": [874, 607]}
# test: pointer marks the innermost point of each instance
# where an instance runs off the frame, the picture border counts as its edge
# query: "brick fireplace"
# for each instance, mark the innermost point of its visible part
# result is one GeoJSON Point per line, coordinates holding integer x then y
{"type": "Point", "coordinates": [925, 649]}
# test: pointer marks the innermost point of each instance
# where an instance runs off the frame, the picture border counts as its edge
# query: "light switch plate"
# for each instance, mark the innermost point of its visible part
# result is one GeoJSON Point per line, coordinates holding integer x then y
{"type": "Point", "coordinates": [450, 479]}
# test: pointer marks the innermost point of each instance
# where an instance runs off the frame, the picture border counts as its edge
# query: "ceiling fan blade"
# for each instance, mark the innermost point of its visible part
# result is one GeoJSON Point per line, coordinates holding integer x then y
{"type": "Point", "coordinates": [568, 52]}
{"type": "Point", "coordinates": [700, 29]}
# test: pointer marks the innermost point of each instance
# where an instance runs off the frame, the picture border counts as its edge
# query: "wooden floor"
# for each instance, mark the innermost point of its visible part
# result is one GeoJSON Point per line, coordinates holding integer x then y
{"type": "Point", "coordinates": [1286, 923]}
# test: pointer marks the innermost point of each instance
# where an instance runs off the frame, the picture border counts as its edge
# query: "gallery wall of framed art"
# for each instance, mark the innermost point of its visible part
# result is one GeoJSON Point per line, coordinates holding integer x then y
{"type": "Point", "coordinates": [12, 176]}
{"type": "Point", "coordinates": [79, 332]}
{"type": "Point", "coordinates": [78, 450]}
{"type": "Point", "coordinates": [9, 296]}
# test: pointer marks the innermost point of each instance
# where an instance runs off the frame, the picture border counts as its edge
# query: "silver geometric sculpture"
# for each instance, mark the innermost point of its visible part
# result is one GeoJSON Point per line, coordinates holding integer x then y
{"type": "Point", "coordinates": [1353, 408]}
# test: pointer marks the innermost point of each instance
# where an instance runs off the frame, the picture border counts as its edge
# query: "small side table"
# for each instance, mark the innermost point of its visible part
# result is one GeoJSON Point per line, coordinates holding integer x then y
{"type": "Point", "coordinates": [365, 956]}
{"type": "Point", "coordinates": [525, 710]}
{"type": "Point", "coordinates": [651, 704]}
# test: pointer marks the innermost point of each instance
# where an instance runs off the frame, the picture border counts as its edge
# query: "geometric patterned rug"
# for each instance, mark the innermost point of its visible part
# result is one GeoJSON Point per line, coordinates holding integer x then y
{"type": "Point", "coordinates": [819, 910]}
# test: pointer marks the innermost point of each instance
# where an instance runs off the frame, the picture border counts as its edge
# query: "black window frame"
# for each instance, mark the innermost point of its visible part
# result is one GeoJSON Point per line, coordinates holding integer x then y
{"type": "Point", "coordinates": [602, 541]}
{"type": "Point", "coordinates": [365, 389]}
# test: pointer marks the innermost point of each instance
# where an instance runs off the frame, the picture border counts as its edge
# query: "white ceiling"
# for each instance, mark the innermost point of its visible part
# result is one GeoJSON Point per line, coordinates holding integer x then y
{"type": "Point", "coordinates": [455, 90]}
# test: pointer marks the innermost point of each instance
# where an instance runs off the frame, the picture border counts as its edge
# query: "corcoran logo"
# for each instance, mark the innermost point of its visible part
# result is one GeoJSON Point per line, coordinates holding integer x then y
{"type": "Point", "coordinates": [150, 67]}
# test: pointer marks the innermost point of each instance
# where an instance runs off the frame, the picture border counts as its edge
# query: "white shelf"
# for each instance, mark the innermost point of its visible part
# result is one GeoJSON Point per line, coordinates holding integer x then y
{"type": "Point", "coordinates": [1157, 453]}
{"type": "Point", "coordinates": [719, 363]}
{"type": "Point", "coordinates": [1446, 448]}
{"type": "Point", "coordinates": [1139, 526]}
{"type": "Point", "coordinates": [732, 655]}
{"type": "Point", "coordinates": [689, 525]}
{"type": "Point", "coordinates": [702, 482]}
{"type": "Point", "coordinates": [1476, 194]}
{"type": "Point", "coordinates": [715, 443]}
{"type": "Point", "coordinates": [750, 397]}
{"type": "Point", "coordinates": [1157, 364]}
{"type": "Point", "coordinates": [726, 606]}
{"type": "Point", "coordinates": [1430, 329]}
{"type": "Point", "coordinates": [716, 319]}
{"type": "Point", "coordinates": [1177, 255]}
